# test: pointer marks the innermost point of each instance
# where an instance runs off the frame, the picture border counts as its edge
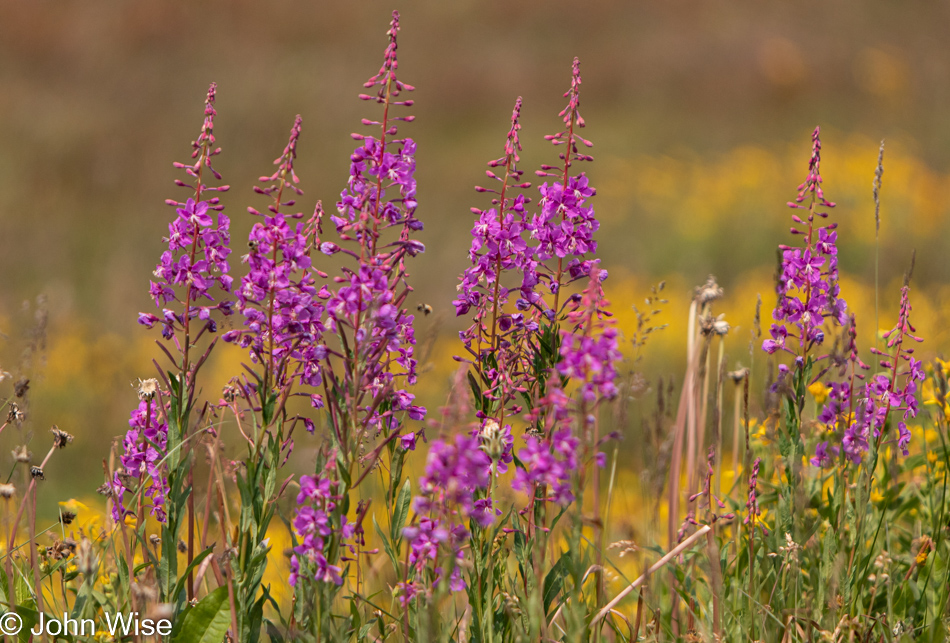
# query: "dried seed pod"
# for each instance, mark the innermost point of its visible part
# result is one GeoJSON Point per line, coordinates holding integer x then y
{"type": "Point", "coordinates": [147, 388]}
{"type": "Point", "coordinates": [15, 414]}
{"type": "Point", "coordinates": [21, 386]}
{"type": "Point", "coordinates": [60, 438]}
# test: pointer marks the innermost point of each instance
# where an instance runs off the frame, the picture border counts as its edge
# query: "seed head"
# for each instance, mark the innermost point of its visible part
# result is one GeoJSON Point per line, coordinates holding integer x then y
{"type": "Point", "coordinates": [22, 454]}
{"type": "Point", "coordinates": [230, 393]}
{"type": "Point", "coordinates": [7, 491]}
{"type": "Point", "coordinates": [492, 439]}
{"type": "Point", "coordinates": [60, 438]}
{"type": "Point", "coordinates": [147, 388]}
{"type": "Point", "coordinates": [625, 547]}
{"type": "Point", "coordinates": [15, 414]}
{"type": "Point", "coordinates": [61, 549]}
{"type": "Point", "coordinates": [738, 375]}
{"type": "Point", "coordinates": [708, 292]}
{"type": "Point", "coordinates": [21, 387]}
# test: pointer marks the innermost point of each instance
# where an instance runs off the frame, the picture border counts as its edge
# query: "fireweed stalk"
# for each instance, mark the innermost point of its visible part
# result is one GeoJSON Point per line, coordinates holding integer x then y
{"type": "Point", "coordinates": [157, 462]}
{"type": "Point", "coordinates": [808, 293]}
{"type": "Point", "coordinates": [562, 230]}
{"type": "Point", "coordinates": [499, 370]}
{"type": "Point", "coordinates": [514, 351]}
{"type": "Point", "coordinates": [854, 409]}
{"type": "Point", "coordinates": [366, 361]}
{"type": "Point", "coordinates": [893, 390]}
{"type": "Point", "coordinates": [563, 243]}
{"type": "Point", "coordinates": [282, 325]}
{"type": "Point", "coordinates": [564, 343]}
{"type": "Point", "coordinates": [562, 251]}
{"type": "Point", "coordinates": [498, 249]}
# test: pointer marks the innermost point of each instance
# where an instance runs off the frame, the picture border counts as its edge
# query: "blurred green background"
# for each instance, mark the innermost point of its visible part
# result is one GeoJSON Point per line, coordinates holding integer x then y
{"type": "Point", "coordinates": [700, 114]}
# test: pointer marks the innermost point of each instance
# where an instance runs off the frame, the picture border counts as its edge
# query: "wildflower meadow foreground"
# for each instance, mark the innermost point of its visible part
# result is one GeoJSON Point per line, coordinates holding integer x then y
{"type": "Point", "coordinates": [801, 497]}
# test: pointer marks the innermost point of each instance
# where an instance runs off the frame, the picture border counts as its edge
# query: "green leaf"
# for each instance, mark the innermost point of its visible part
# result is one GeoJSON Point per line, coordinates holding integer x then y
{"type": "Point", "coordinates": [81, 598]}
{"type": "Point", "coordinates": [387, 547]}
{"type": "Point", "coordinates": [208, 621]}
{"type": "Point", "coordinates": [554, 581]}
{"type": "Point", "coordinates": [267, 413]}
{"type": "Point", "coordinates": [400, 511]}
{"type": "Point", "coordinates": [123, 570]}
{"type": "Point", "coordinates": [29, 619]}
{"type": "Point", "coordinates": [364, 631]}
{"type": "Point", "coordinates": [275, 634]}
{"type": "Point", "coordinates": [355, 620]}
{"type": "Point", "coordinates": [521, 545]}
{"type": "Point", "coordinates": [397, 460]}
{"type": "Point", "coordinates": [256, 621]}
{"type": "Point", "coordinates": [180, 585]}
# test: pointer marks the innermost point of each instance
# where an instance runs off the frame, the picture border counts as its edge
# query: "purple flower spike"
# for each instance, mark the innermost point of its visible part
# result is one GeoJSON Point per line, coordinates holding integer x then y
{"type": "Point", "coordinates": [318, 530]}
{"type": "Point", "coordinates": [549, 463]}
{"type": "Point", "coordinates": [498, 254]}
{"type": "Point", "coordinates": [283, 316]}
{"type": "Point", "coordinates": [455, 472]}
{"type": "Point", "coordinates": [808, 285]}
{"type": "Point", "coordinates": [352, 336]}
{"type": "Point", "coordinates": [142, 469]}
{"type": "Point", "coordinates": [564, 228]}
{"type": "Point", "coordinates": [895, 390]}
{"type": "Point", "coordinates": [198, 243]}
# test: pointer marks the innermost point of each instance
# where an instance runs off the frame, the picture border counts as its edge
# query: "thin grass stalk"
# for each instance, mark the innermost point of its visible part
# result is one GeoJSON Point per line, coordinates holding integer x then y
{"type": "Point", "coordinates": [691, 419]}
{"type": "Point", "coordinates": [601, 588]}
{"type": "Point", "coordinates": [679, 433]}
{"type": "Point", "coordinates": [34, 554]}
{"type": "Point", "coordinates": [703, 405]}
{"type": "Point", "coordinates": [876, 192]}
{"type": "Point", "coordinates": [636, 627]}
{"type": "Point", "coordinates": [736, 414]}
{"type": "Point", "coordinates": [677, 457]}
{"type": "Point", "coordinates": [717, 418]}
{"type": "Point", "coordinates": [8, 562]}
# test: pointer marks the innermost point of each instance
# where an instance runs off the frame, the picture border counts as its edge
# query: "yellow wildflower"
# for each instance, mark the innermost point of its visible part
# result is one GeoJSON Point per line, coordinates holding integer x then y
{"type": "Point", "coordinates": [927, 393]}
{"type": "Point", "coordinates": [929, 396]}
{"type": "Point", "coordinates": [757, 432]}
{"type": "Point", "coordinates": [876, 496]}
{"type": "Point", "coordinates": [820, 392]}
{"type": "Point", "coordinates": [73, 505]}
